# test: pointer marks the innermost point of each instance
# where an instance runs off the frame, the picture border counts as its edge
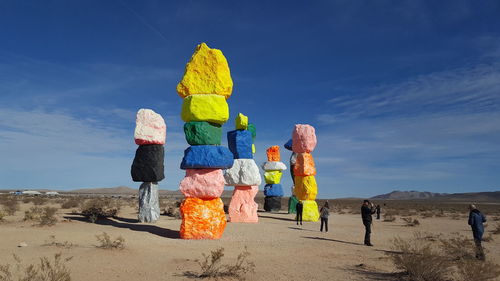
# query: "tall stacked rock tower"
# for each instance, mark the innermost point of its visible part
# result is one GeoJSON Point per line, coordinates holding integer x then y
{"type": "Point", "coordinates": [150, 134]}
{"type": "Point", "coordinates": [244, 175]}
{"type": "Point", "coordinates": [205, 87]}
{"type": "Point", "coordinates": [273, 170]}
{"type": "Point", "coordinates": [304, 170]}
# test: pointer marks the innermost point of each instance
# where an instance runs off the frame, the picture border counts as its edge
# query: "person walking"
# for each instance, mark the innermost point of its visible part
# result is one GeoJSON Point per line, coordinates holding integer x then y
{"type": "Point", "coordinates": [378, 211]}
{"type": "Point", "coordinates": [367, 210]}
{"type": "Point", "coordinates": [299, 208]}
{"type": "Point", "coordinates": [476, 220]}
{"type": "Point", "coordinates": [324, 213]}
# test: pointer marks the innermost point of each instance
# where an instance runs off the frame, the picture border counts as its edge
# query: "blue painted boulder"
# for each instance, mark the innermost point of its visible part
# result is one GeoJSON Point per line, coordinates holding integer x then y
{"type": "Point", "coordinates": [240, 144]}
{"type": "Point", "coordinates": [288, 145]}
{"type": "Point", "coordinates": [207, 157]}
{"type": "Point", "coordinates": [273, 190]}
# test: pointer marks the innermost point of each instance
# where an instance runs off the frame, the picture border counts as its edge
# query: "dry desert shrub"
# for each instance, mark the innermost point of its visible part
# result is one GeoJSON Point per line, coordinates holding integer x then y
{"type": "Point", "coordinates": [457, 247]}
{"type": "Point", "coordinates": [427, 214]}
{"type": "Point", "coordinates": [53, 242]}
{"type": "Point", "coordinates": [473, 269]}
{"type": "Point", "coordinates": [496, 229]}
{"type": "Point", "coordinates": [70, 203]}
{"type": "Point", "coordinates": [97, 208]}
{"type": "Point", "coordinates": [2, 215]}
{"type": "Point", "coordinates": [44, 216]}
{"type": "Point", "coordinates": [212, 267]}
{"type": "Point", "coordinates": [389, 217]}
{"type": "Point", "coordinates": [46, 270]}
{"type": "Point", "coordinates": [410, 221]}
{"type": "Point", "coordinates": [488, 238]}
{"type": "Point", "coordinates": [106, 242]}
{"type": "Point", "coordinates": [10, 205]}
{"type": "Point", "coordinates": [39, 201]}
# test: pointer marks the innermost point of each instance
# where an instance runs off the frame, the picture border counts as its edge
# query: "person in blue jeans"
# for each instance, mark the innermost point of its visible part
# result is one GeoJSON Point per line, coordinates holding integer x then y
{"type": "Point", "coordinates": [476, 220]}
{"type": "Point", "coordinates": [324, 213]}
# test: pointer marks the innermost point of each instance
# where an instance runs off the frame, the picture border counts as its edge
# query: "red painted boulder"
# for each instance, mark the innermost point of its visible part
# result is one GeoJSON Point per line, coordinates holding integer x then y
{"type": "Point", "coordinates": [203, 183]}
{"type": "Point", "coordinates": [303, 138]}
{"type": "Point", "coordinates": [243, 207]}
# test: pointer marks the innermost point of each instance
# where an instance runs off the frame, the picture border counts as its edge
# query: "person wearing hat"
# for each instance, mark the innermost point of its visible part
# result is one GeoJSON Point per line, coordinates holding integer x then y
{"type": "Point", "coordinates": [367, 210]}
{"type": "Point", "coordinates": [476, 220]}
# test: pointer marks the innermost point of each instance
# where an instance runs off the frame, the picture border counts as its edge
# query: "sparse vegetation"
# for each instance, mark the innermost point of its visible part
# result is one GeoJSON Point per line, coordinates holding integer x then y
{"type": "Point", "coordinates": [44, 216]}
{"type": "Point", "coordinates": [106, 242]}
{"type": "Point", "coordinates": [39, 201]}
{"type": "Point", "coordinates": [97, 208]}
{"type": "Point", "coordinates": [496, 229]}
{"type": "Point", "coordinates": [53, 242]}
{"type": "Point", "coordinates": [2, 215]}
{"type": "Point", "coordinates": [71, 203]}
{"type": "Point", "coordinates": [411, 221]}
{"type": "Point", "coordinates": [46, 270]}
{"type": "Point", "coordinates": [389, 217]}
{"type": "Point", "coordinates": [10, 205]}
{"type": "Point", "coordinates": [212, 267]}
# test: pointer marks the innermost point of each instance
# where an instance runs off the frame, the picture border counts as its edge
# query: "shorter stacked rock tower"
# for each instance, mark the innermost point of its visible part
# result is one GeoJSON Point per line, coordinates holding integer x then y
{"type": "Point", "coordinates": [304, 170]}
{"type": "Point", "coordinates": [244, 175]}
{"type": "Point", "coordinates": [292, 201]}
{"type": "Point", "coordinates": [150, 135]}
{"type": "Point", "coordinates": [205, 86]}
{"type": "Point", "coordinates": [273, 170]}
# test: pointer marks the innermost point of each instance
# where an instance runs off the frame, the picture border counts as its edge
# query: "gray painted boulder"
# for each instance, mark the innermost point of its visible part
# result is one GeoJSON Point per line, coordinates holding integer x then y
{"type": "Point", "coordinates": [149, 205]}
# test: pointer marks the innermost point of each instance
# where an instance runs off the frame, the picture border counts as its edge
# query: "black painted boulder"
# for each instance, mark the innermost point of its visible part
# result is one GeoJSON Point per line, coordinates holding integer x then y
{"type": "Point", "coordinates": [272, 204]}
{"type": "Point", "coordinates": [148, 163]}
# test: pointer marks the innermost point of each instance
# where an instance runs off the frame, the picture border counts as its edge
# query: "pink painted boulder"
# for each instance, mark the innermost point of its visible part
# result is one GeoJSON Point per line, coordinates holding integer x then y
{"type": "Point", "coordinates": [243, 207]}
{"type": "Point", "coordinates": [202, 183]}
{"type": "Point", "coordinates": [303, 138]}
{"type": "Point", "coordinates": [150, 128]}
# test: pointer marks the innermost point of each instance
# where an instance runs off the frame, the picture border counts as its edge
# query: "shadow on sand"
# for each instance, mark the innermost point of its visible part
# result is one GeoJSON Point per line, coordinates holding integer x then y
{"type": "Point", "coordinates": [275, 218]}
{"type": "Point", "coordinates": [374, 275]}
{"type": "Point", "coordinates": [333, 240]}
{"type": "Point", "coordinates": [132, 224]}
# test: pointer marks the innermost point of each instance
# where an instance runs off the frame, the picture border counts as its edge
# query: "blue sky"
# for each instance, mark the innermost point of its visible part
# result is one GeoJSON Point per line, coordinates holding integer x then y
{"type": "Point", "coordinates": [403, 94]}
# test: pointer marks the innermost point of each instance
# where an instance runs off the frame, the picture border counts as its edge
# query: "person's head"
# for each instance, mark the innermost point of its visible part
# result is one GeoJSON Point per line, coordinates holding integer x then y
{"type": "Point", "coordinates": [378, 206]}
{"type": "Point", "coordinates": [326, 204]}
{"type": "Point", "coordinates": [366, 202]}
{"type": "Point", "coordinates": [472, 207]}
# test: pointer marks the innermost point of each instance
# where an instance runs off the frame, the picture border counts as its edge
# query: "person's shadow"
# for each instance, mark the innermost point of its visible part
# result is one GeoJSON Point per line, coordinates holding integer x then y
{"type": "Point", "coordinates": [132, 224]}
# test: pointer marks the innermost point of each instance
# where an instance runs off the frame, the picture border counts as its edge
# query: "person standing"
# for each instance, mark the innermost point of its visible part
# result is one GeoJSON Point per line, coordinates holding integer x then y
{"type": "Point", "coordinates": [324, 213]}
{"type": "Point", "coordinates": [378, 211]}
{"type": "Point", "coordinates": [299, 208]}
{"type": "Point", "coordinates": [476, 220]}
{"type": "Point", "coordinates": [367, 210]}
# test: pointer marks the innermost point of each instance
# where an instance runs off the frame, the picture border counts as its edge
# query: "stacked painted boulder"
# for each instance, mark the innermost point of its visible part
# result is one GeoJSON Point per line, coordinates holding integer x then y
{"type": "Point", "coordinates": [150, 134]}
{"type": "Point", "coordinates": [273, 170]}
{"type": "Point", "coordinates": [244, 175]}
{"type": "Point", "coordinates": [292, 201]}
{"type": "Point", "coordinates": [304, 170]}
{"type": "Point", "coordinates": [205, 86]}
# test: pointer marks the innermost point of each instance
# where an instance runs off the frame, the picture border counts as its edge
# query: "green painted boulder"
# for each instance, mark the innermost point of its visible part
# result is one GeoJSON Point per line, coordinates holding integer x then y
{"type": "Point", "coordinates": [203, 133]}
{"type": "Point", "coordinates": [251, 128]}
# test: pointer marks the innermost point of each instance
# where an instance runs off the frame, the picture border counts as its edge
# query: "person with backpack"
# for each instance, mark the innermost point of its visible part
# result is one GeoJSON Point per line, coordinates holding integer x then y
{"type": "Point", "coordinates": [324, 213]}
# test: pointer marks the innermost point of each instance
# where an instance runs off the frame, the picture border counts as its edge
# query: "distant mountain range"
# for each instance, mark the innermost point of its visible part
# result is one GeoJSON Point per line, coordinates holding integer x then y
{"type": "Point", "coordinates": [493, 196]}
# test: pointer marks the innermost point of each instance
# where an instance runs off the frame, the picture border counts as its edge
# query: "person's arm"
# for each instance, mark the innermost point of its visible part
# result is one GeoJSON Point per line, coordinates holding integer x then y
{"type": "Point", "coordinates": [483, 218]}
{"type": "Point", "coordinates": [471, 218]}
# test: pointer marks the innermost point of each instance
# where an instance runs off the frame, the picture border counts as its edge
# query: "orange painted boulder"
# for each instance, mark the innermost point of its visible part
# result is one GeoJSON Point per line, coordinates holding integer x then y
{"type": "Point", "coordinates": [203, 183]}
{"type": "Point", "coordinates": [304, 165]}
{"type": "Point", "coordinates": [303, 138]}
{"type": "Point", "coordinates": [273, 153]}
{"type": "Point", "coordinates": [243, 207]}
{"type": "Point", "coordinates": [202, 218]}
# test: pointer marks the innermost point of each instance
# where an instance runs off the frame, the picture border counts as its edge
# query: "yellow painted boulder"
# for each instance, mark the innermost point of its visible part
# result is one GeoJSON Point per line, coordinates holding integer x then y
{"type": "Point", "coordinates": [272, 177]}
{"type": "Point", "coordinates": [206, 73]}
{"type": "Point", "coordinates": [305, 188]}
{"type": "Point", "coordinates": [241, 122]}
{"type": "Point", "coordinates": [310, 210]}
{"type": "Point", "coordinates": [253, 148]}
{"type": "Point", "coordinates": [210, 108]}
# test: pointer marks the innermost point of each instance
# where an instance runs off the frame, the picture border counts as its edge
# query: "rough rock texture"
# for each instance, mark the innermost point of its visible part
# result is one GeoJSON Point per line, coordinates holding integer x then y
{"type": "Point", "coordinates": [202, 183]}
{"type": "Point", "coordinates": [253, 149]}
{"type": "Point", "coordinates": [273, 166]}
{"type": "Point", "coordinates": [273, 153]}
{"type": "Point", "coordinates": [202, 218]}
{"type": "Point", "coordinates": [272, 204]}
{"type": "Point", "coordinates": [240, 144]}
{"type": "Point", "coordinates": [149, 205]}
{"type": "Point", "coordinates": [303, 138]}
{"type": "Point", "coordinates": [251, 128]}
{"type": "Point", "coordinates": [292, 203]}
{"type": "Point", "coordinates": [210, 108]}
{"type": "Point", "coordinates": [243, 172]}
{"type": "Point", "coordinates": [150, 128]}
{"type": "Point", "coordinates": [304, 165]}
{"type": "Point", "coordinates": [243, 207]}
{"type": "Point", "coordinates": [207, 157]}
{"type": "Point", "coordinates": [203, 133]}
{"type": "Point", "coordinates": [148, 163]}
{"type": "Point", "coordinates": [288, 145]}
{"type": "Point", "coordinates": [305, 188]}
{"type": "Point", "coordinates": [272, 177]}
{"type": "Point", "coordinates": [273, 190]}
{"type": "Point", "coordinates": [206, 73]}
{"type": "Point", "coordinates": [293, 160]}
{"type": "Point", "coordinates": [241, 122]}
{"type": "Point", "coordinates": [310, 210]}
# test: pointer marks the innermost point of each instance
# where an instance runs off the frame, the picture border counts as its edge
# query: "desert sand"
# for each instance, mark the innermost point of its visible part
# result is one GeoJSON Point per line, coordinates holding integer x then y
{"type": "Point", "coordinates": [280, 249]}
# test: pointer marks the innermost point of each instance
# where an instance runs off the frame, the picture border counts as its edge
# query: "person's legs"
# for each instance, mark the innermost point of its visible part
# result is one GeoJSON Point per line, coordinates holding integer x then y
{"type": "Point", "coordinates": [326, 224]}
{"type": "Point", "coordinates": [300, 218]}
{"type": "Point", "coordinates": [368, 231]}
{"type": "Point", "coordinates": [479, 249]}
{"type": "Point", "coordinates": [322, 222]}
{"type": "Point", "coordinates": [297, 218]}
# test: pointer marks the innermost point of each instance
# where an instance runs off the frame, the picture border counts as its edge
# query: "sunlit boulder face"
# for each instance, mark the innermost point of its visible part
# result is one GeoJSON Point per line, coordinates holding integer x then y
{"type": "Point", "coordinates": [202, 183]}
{"type": "Point", "coordinates": [202, 218]}
{"type": "Point", "coordinates": [150, 128]}
{"type": "Point", "coordinates": [243, 172]}
{"type": "Point", "coordinates": [303, 138]}
{"type": "Point", "coordinates": [243, 208]}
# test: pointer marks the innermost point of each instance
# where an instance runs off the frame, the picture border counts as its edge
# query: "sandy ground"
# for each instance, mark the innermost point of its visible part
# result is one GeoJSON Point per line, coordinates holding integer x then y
{"type": "Point", "coordinates": [280, 249]}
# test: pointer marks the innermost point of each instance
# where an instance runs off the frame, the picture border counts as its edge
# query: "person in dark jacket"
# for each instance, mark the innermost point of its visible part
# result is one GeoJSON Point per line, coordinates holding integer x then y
{"type": "Point", "coordinates": [299, 208]}
{"type": "Point", "coordinates": [367, 210]}
{"type": "Point", "coordinates": [324, 213]}
{"type": "Point", "coordinates": [378, 212]}
{"type": "Point", "coordinates": [476, 220]}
